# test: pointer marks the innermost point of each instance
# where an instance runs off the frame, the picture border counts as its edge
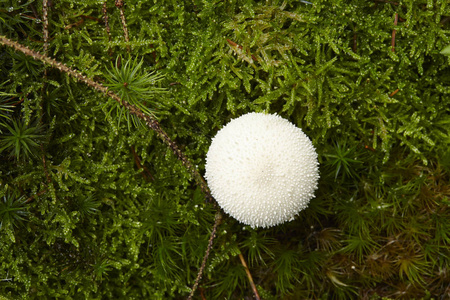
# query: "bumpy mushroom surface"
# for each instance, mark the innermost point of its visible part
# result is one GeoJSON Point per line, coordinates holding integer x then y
{"type": "Point", "coordinates": [262, 169]}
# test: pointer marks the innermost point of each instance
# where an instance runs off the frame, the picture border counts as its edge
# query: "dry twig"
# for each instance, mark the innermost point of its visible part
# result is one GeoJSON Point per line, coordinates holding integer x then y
{"type": "Point", "coordinates": [393, 33]}
{"type": "Point", "coordinates": [45, 23]}
{"type": "Point", "coordinates": [35, 196]}
{"type": "Point", "coordinates": [250, 278]}
{"type": "Point", "coordinates": [208, 250]}
{"type": "Point", "coordinates": [108, 29]}
{"type": "Point", "coordinates": [386, 1]}
{"type": "Point", "coordinates": [146, 174]}
{"type": "Point", "coordinates": [394, 92]}
{"type": "Point", "coordinates": [120, 4]}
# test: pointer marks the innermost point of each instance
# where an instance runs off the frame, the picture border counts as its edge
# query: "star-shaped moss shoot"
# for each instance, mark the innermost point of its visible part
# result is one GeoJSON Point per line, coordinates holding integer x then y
{"type": "Point", "coordinates": [262, 169]}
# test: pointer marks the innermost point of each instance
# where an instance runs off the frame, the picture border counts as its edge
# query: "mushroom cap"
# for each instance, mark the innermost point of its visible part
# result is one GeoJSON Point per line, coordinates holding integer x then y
{"type": "Point", "coordinates": [262, 169]}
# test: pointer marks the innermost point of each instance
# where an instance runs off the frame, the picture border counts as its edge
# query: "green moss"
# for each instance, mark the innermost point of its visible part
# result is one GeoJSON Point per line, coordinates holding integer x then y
{"type": "Point", "coordinates": [105, 210]}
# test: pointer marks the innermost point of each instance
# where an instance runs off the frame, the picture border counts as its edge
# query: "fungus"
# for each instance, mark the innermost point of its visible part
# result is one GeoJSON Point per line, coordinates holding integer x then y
{"type": "Point", "coordinates": [262, 169]}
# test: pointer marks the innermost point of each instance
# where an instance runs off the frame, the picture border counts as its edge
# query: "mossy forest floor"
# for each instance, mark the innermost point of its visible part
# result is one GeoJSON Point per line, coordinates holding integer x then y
{"type": "Point", "coordinates": [101, 199]}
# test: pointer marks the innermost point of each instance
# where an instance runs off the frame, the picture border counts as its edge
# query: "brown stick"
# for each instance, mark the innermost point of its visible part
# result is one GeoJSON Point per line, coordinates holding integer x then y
{"type": "Point", "coordinates": [44, 164]}
{"type": "Point", "coordinates": [137, 160]}
{"type": "Point", "coordinates": [202, 294]}
{"type": "Point", "coordinates": [76, 24]}
{"type": "Point", "coordinates": [249, 275]}
{"type": "Point", "coordinates": [394, 92]}
{"type": "Point", "coordinates": [45, 35]}
{"type": "Point", "coordinates": [151, 122]}
{"type": "Point", "coordinates": [237, 46]}
{"type": "Point", "coordinates": [208, 250]}
{"type": "Point", "coordinates": [108, 29]}
{"type": "Point", "coordinates": [120, 4]}
{"type": "Point", "coordinates": [45, 23]}
{"type": "Point", "coordinates": [386, 1]}
{"type": "Point", "coordinates": [81, 21]}
{"type": "Point", "coordinates": [36, 195]}
{"type": "Point", "coordinates": [34, 11]}
{"type": "Point", "coordinates": [393, 33]}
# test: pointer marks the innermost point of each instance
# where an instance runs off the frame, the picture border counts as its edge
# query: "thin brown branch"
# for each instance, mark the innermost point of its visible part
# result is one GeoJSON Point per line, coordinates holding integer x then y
{"type": "Point", "coordinates": [369, 148]}
{"type": "Point", "coordinates": [44, 164]}
{"type": "Point", "coordinates": [250, 278]}
{"type": "Point", "coordinates": [120, 4]}
{"type": "Point", "coordinates": [36, 15]}
{"type": "Point", "coordinates": [239, 49]}
{"type": "Point", "coordinates": [147, 175]}
{"type": "Point", "coordinates": [394, 92]}
{"type": "Point", "coordinates": [394, 32]}
{"type": "Point", "coordinates": [35, 196]}
{"type": "Point", "coordinates": [386, 1]}
{"type": "Point", "coordinates": [45, 23]}
{"type": "Point", "coordinates": [76, 24]}
{"type": "Point", "coordinates": [151, 122]}
{"type": "Point", "coordinates": [208, 250]}
{"type": "Point", "coordinates": [81, 21]}
{"type": "Point", "coordinates": [18, 102]}
{"type": "Point", "coordinates": [202, 294]}
{"type": "Point", "coordinates": [108, 29]}
{"type": "Point", "coordinates": [91, 18]}
{"type": "Point", "coordinates": [45, 35]}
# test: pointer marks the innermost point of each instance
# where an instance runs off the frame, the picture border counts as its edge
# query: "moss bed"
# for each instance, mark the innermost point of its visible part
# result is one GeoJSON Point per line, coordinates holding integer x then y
{"type": "Point", "coordinates": [95, 203]}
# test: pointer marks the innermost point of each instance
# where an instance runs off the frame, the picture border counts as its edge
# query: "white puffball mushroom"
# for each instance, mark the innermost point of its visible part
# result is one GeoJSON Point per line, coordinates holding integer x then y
{"type": "Point", "coordinates": [262, 169]}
